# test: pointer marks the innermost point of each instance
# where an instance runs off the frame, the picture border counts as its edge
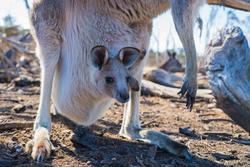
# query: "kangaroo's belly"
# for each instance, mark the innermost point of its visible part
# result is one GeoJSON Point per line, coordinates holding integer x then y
{"type": "Point", "coordinates": [84, 114]}
{"type": "Point", "coordinates": [78, 105]}
{"type": "Point", "coordinates": [74, 94]}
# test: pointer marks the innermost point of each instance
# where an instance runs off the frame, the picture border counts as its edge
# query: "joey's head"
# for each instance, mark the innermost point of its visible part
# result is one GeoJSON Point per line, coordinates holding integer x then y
{"type": "Point", "coordinates": [112, 77]}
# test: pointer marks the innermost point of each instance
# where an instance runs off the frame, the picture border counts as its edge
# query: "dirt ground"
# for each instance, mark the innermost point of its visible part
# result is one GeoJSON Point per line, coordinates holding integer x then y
{"type": "Point", "coordinates": [212, 137]}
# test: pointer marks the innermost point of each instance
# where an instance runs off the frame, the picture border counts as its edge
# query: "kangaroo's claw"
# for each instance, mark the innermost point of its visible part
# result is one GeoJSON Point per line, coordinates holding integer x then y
{"type": "Point", "coordinates": [190, 91]}
{"type": "Point", "coordinates": [40, 147]}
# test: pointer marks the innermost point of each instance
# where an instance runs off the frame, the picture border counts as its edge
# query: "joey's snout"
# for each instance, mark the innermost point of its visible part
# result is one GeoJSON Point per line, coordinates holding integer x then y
{"type": "Point", "coordinates": [123, 96]}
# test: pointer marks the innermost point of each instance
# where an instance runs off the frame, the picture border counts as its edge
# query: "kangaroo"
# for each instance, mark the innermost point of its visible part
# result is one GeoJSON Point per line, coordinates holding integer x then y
{"type": "Point", "coordinates": [92, 52]}
{"type": "Point", "coordinates": [172, 64]}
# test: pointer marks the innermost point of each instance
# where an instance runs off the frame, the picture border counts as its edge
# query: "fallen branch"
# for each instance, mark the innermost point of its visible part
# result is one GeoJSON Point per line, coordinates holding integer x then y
{"type": "Point", "coordinates": [206, 121]}
{"type": "Point", "coordinates": [244, 142]}
{"type": "Point", "coordinates": [188, 132]}
{"type": "Point", "coordinates": [153, 89]}
{"type": "Point", "coordinates": [220, 156]}
{"type": "Point", "coordinates": [7, 60]}
{"type": "Point", "coordinates": [217, 134]}
{"type": "Point", "coordinates": [236, 4]}
{"type": "Point", "coordinates": [224, 137]}
{"type": "Point", "coordinates": [16, 125]}
{"type": "Point", "coordinates": [18, 45]}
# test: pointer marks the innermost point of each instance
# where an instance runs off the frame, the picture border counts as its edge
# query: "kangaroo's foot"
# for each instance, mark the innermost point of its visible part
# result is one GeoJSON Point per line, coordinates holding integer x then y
{"type": "Point", "coordinates": [40, 147]}
{"type": "Point", "coordinates": [189, 88]}
{"type": "Point", "coordinates": [159, 139]}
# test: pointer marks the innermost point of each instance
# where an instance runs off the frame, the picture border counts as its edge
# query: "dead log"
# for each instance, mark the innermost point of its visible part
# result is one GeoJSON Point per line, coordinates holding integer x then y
{"type": "Point", "coordinates": [21, 47]}
{"type": "Point", "coordinates": [228, 68]}
{"type": "Point", "coordinates": [16, 125]}
{"type": "Point", "coordinates": [8, 61]}
{"type": "Point", "coordinates": [169, 79]}
{"type": "Point", "coordinates": [153, 89]}
{"type": "Point", "coordinates": [236, 4]}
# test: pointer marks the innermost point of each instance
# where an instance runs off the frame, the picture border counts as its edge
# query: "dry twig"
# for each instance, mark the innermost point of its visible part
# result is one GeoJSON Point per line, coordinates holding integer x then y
{"type": "Point", "coordinates": [16, 125]}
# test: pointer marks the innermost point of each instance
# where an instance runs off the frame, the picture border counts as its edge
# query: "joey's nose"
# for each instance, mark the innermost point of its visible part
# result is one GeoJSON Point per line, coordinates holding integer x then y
{"type": "Point", "coordinates": [124, 97]}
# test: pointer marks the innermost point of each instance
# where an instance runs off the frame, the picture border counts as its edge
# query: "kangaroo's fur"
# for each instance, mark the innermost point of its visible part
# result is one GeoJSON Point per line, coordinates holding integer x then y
{"type": "Point", "coordinates": [65, 32]}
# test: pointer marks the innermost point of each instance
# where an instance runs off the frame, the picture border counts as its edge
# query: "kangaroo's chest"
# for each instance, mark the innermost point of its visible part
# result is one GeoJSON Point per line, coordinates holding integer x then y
{"type": "Point", "coordinates": [75, 92]}
{"type": "Point", "coordinates": [87, 29]}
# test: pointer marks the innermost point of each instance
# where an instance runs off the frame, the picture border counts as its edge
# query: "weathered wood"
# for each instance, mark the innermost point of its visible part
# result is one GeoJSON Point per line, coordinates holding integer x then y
{"type": "Point", "coordinates": [21, 47]}
{"type": "Point", "coordinates": [228, 68]}
{"type": "Point", "coordinates": [153, 89]}
{"type": "Point", "coordinates": [16, 125]}
{"type": "Point", "coordinates": [236, 4]}
{"type": "Point", "coordinates": [168, 79]}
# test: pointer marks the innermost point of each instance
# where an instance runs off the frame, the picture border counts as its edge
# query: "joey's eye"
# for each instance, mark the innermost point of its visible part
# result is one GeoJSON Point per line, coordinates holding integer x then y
{"type": "Point", "coordinates": [109, 80]}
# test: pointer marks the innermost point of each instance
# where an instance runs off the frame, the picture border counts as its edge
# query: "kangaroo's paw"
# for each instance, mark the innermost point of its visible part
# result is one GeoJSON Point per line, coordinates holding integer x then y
{"type": "Point", "coordinates": [40, 147]}
{"type": "Point", "coordinates": [159, 139]}
{"type": "Point", "coordinates": [189, 88]}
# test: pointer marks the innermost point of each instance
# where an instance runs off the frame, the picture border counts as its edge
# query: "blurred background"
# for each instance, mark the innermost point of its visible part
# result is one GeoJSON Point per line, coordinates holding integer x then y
{"type": "Point", "coordinates": [17, 47]}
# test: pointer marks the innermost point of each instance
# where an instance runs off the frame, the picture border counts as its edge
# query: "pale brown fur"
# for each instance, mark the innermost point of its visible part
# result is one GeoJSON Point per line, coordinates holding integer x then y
{"type": "Point", "coordinates": [66, 31]}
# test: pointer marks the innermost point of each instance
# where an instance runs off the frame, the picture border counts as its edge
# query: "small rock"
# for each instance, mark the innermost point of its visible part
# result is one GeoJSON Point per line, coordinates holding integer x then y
{"type": "Point", "coordinates": [18, 148]}
{"type": "Point", "coordinates": [222, 156]}
{"type": "Point", "coordinates": [19, 108]}
{"type": "Point", "coordinates": [188, 132]}
{"type": "Point", "coordinates": [23, 62]}
{"type": "Point", "coordinates": [26, 81]}
{"type": "Point", "coordinates": [14, 138]}
{"type": "Point", "coordinates": [3, 110]}
{"type": "Point", "coordinates": [89, 163]}
{"type": "Point", "coordinates": [233, 151]}
{"type": "Point", "coordinates": [247, 156]}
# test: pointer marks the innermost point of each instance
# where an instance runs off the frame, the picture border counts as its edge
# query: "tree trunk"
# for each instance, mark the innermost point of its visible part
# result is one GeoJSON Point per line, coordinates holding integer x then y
{"type": "Point", "coordinates": [228, 68]}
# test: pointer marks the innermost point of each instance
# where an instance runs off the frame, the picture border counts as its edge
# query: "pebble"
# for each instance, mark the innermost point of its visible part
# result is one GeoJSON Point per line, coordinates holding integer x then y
{"type": "Point", "coordinates": [222, 156]}
{"type": "Point", "coordinates": [4, 110]}
{"type": "Point", "coordinates": [26, 81]}
{"type": "Point", "coordinates": [19, 108]}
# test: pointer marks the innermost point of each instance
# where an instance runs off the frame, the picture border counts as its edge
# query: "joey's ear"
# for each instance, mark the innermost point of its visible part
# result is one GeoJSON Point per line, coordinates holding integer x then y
{"type": "Point", "coordinates": [129, 55]}
{"type": "Point", "coordinates": [133, 83]}
{"type": "Point", "coordinates": [99, 56]}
